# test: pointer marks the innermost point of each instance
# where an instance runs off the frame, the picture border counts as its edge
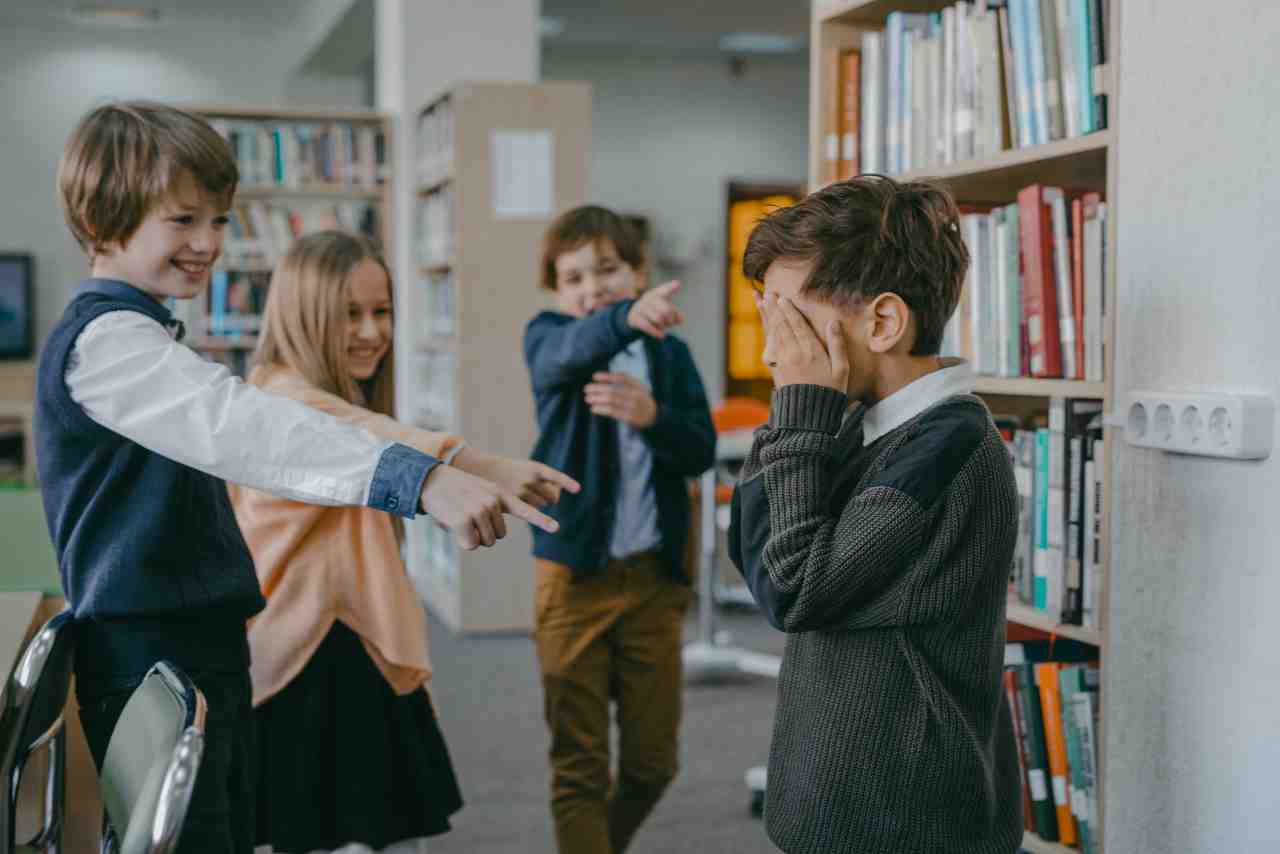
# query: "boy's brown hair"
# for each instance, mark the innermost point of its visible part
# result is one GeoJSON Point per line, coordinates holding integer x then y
{"type": "Point", "coordinates": [589, 224]}
{"type": "Point", "coordinates": [868, 236]}
{"type": "Point", "coordinates": [123, 157]}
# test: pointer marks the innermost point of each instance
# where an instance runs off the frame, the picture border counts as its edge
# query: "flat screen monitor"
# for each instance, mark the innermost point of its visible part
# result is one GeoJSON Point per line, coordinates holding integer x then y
{"type": "Point", "coordinates": [17, 312]}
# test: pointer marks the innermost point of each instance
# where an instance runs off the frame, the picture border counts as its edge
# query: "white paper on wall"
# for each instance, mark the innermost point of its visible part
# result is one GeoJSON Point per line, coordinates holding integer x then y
{"type": "Point", "coordinates": [522, 166]}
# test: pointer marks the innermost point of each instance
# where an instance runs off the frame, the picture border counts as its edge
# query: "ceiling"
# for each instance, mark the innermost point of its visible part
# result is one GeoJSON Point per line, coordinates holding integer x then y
{"type": "Point", "coordinates": [684, 26]}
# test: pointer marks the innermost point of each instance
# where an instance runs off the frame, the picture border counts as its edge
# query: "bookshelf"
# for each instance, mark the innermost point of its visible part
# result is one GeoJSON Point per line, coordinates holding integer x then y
{"type": "Point", "coordinates": [495, 163]}
{"type": "Point", "coordinates": [301, 171]}
{"type": "Point", "coordinates": [1085, 162]}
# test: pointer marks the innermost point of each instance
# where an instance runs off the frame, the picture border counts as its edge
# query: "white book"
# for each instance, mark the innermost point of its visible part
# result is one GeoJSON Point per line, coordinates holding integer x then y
{"type": "Point", "coordinates": [948, 106]}
{"type": "Point", "coordinates": [897, 93]}
{"type": "Point", "coordinates": [906, 147]}
{"type": "Point", "coordinates": [921, 75]}
{"type": "Point", "coordinates": [1068, 57]}
{"type": "Point", "coordinates": [937, 85]}
{"type": "Point", "coordinates": [872, 107]}
{"type": "Point", "coordinates": [1088, 555]}
{"type": "Point", "coordinates": [985, 35]}
{"type": "Point", "coordinates": [966, 81]}
{"type": "Point", "coordinates": [979, 287]}
{"type": "Point", "coordinates": [1057, 202]}
{"type": "Point", "coordinates": [1094, 289]}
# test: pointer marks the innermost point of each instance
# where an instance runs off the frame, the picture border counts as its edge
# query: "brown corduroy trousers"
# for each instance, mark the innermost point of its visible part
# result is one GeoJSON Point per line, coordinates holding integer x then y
{"type": "Point", "coordinates": [616, 636]}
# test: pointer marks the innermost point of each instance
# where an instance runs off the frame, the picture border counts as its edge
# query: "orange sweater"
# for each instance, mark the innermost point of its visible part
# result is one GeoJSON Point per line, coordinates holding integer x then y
{"type": "Point", "coordinates": [321, 564]}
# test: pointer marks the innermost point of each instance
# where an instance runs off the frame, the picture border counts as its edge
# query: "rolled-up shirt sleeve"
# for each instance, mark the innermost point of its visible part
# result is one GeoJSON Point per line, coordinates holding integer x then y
{"type": "Point", "coordinates": [128, 375]}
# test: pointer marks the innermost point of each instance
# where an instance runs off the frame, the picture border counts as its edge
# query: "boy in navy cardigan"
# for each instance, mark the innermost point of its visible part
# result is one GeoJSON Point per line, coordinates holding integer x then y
{"type": "Point", "coordinates": [136, 434]}
{"type": "Point", "coordinates": [621, 409]}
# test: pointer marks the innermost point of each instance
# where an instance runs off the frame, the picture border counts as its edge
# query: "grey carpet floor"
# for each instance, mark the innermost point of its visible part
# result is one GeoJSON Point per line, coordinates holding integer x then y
{"type": "Point", "coordinates": [490, 705]}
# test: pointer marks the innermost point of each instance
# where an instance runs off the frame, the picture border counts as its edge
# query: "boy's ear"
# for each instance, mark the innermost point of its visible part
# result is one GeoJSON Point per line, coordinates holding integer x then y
{"type": "Point", "coordinates": [889, 322]}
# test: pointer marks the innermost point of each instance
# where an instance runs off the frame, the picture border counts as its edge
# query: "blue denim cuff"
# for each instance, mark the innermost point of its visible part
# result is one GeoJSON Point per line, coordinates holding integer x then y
{"type": "Point", "coordinates": [397, 481]}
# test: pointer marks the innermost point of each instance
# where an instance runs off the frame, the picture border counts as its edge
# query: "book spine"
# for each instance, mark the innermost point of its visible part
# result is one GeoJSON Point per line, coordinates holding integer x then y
{"type": "Point", "coordinates": [1013, 282]}
{"type": "Point", "coordinates": [1082, 708]}
{"type": "Point", "coordinates": [1039, 298]}
{"type": "Point", "coordinates": [1098, 48]}
{"type": "Point", "coordinates": [872, 106]}
{"type": "Point", "coordinates": [893, 136]}
{"type": "Point", "coordinates": [1053, 69]}
{"type": "Point", "coordinates": [1084, 64]}
{"type": "Point", "coordinates": [1077, 282]}
{"type": "Point", "coordinates": [831, 115]}
{"type": "Point", "coordinates": [1046, 815]}
{"type": "Point", "coordinates": [950, 63]}
{"type": "Point", "coordinates": [966, 83]}
{"type": "Point", "coordinates": [1039, 72]}
{"type": "Point", "coordinates": [1010, 684]}
{"type": "Point", "coordinates": [1068, 58]}
{"type": "Point", "coordinates": [1042, 567]}
{"type": "Point", "coordinates": [1069, 685]}
{"type": "Point", "coordinates": [998, 229]}
{"type": "Point", "coordinates": [850, 89]}
{"type": "Point", "coordinates": [1062, 279]}
{"type": "Point", "coordinates": [1056, 746]}
{"type": "Point", "coordinates": [1025, 477]}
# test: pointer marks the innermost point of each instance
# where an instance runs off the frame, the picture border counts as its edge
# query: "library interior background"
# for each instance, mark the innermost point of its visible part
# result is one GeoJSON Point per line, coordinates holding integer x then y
{"type": "Point", "coordinates": [1115, 172]}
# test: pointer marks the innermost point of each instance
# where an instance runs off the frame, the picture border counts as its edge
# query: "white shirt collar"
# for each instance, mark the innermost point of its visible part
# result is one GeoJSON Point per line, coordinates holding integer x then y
{"type": "Point", "coordinates": [953, 378]}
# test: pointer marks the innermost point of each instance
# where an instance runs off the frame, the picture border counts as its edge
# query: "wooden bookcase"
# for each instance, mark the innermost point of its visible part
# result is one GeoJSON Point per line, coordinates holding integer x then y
{"type": "Point", "coordinates": [331, 160]}
{"type": "Point", "coordinates": [1085, 162]}
{"type": "Point", "coordinates": [496, 162]}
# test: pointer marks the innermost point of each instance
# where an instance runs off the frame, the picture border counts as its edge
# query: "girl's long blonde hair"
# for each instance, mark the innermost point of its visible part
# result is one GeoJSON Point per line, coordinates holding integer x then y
{"type": "Point", "coordinates": [305, 321]}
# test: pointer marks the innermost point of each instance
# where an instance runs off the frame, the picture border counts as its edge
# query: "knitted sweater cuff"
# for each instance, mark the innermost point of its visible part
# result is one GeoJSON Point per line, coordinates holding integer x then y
{"type": "Point", "coordinates": [808, 407]}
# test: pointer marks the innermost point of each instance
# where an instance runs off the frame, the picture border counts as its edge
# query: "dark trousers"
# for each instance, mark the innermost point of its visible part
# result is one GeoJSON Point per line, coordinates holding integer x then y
{"type": "Point", "coordinates": [221, 816]}
{"type": "Point", "coordinates": [613, 637]}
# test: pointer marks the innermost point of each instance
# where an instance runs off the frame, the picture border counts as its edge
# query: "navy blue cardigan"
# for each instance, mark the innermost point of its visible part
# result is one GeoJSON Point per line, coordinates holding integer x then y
{"type": "Point", "coordinates": [562, 353]}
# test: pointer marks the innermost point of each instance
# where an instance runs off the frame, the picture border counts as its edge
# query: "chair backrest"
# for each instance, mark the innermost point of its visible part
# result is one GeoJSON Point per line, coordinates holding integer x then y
{"type": "Point", "coordinates": [150, 767]}
{"type": "Point", "coordinates": [31, 716]}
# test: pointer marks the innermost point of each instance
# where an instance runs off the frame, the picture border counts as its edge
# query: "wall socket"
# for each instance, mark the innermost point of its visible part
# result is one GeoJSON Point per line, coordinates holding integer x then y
{"type": "Point", "coordinates": [1211, 424]}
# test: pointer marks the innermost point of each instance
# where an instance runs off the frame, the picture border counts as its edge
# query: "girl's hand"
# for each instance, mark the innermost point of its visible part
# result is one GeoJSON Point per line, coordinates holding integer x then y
{"type": "Point", "coordinates": [532, 482]}
{"type": "Point", "coordinates": [472, 508]}
{"type": "Point", "coordinates": [654, 313]}
{"type": "Point", "coordinates": [622, 397]}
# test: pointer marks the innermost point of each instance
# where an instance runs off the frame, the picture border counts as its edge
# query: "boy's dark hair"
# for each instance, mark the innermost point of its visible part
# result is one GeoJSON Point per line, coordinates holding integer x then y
{"type": "Point", "coordinates": [868, 236]}
{"type": "Point", "coordinates": [123, 157]}
{"type": "Point", "coordinates": [589, 224]}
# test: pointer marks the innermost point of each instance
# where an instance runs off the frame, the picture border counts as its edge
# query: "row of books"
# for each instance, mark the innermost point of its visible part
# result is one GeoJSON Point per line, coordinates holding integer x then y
{"type": "Point", "coordinates": [1052, 689]}
{"type": "Point", "coordinates": [435, 316]}
{"type": "Point", "coordinates": [1057, 565]}
{"type": "Point", "coordinates": [236, 303]}
{"type": "Point", "coordinates": [1033, 303]}
{"type": "Point", "coordinates": [436, 231]}
{"type": "Point", "coordinates": [260, 233]}
{"type": "Point", "coordinates": [435, 143]}
{"type": "Point", "coordinates": [303, 154]}
{"type": "Point", "coordinates": [966, 82]}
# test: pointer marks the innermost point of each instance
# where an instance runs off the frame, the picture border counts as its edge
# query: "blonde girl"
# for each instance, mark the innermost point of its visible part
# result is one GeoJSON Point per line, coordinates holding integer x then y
{"type": "Point", "coordinates": [349, 747]}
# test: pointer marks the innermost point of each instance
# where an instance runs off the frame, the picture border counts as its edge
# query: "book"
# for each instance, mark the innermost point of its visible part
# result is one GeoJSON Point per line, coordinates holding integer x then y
{"type": "Point", "coordinates": [1008, 79]}
{"type": "Point", "coordinates": [850, 92]}
{"type": "Point", "coordinates": [1053, 69]}
{"type": "Point", "coordinates": [1093, 214]}
{"type": "Point", "coordinates": [1083, 708]}
{"type": "Point", "coordinates": [1062, 279]}
{"type": "Point", "coordinates": [1069, 419]}
{"type": "Point", "coordinates": [1098, 48]}
{"type": "Point", "coordinates": [831, 116]}
{"type": "Point", "coordinates": [984, 35]}
{"type": "Point", "coordinates": [872, 107]}
{"type": "Point", "coordinates": [1039, 72]}
{"type": "Point", "coordinates": [1075, 680]}
{"type": "Point", "coordinates": [1078, 13]}
{"type": "Point", "coordinates": [896, 26]}
{"type": "Point", "coordinates": [1020, 47]}
{"type": "Point", "coordinates": [1046, 675]}
{"type": "Point", "coordinates": [1077, 283]}
{"type": "Point", "coordinates": [1024, 471]}
{"type": "Point", "coordinates": [1039, 294]}
{"type": "Point", "coordinates": [1010, 685]}
{"type": "Point", "coordinates": [1069, 60]}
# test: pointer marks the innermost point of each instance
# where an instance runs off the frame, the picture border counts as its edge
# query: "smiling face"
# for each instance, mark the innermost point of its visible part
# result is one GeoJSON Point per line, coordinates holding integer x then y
{"type": "Point", "coordinates": [369, 319]}
{"type": "Point", "coordinates": [174, 247]}
{"type": "Point", "coordinates": [592, 277]}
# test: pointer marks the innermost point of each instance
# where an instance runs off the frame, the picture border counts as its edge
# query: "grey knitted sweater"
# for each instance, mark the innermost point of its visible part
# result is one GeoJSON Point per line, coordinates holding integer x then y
{"type": "Point", "coordinates": [888, 567]}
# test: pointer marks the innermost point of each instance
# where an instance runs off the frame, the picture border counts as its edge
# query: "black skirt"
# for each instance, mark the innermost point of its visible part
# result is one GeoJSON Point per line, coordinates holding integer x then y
{"type": "Point", "coordinates": [343, 759]}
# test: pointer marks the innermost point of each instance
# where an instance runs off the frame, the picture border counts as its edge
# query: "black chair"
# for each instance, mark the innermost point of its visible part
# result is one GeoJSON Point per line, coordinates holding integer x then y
{"type": "Point", "coordinates": [31, 719]}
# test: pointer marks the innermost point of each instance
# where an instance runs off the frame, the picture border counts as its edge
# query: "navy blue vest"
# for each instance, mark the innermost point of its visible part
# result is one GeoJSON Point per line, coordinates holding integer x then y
{"type": "Point", "coordinates": [139, 537]}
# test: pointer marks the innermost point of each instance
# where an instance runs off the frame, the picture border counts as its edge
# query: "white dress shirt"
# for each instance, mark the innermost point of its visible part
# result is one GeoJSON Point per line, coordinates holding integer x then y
{"type": "Point", "coordinates": [128, 374]}
{"type": "Point", "coordinates": [953, 378]}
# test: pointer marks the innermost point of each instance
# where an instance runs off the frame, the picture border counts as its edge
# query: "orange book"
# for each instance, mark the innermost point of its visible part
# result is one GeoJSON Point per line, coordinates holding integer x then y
{"type": "Point", "coordinates": [1056, 746]}
{"type": "Point", "coordinates": [1077, 279]}
{"type": "Point", "coordinates": [831, 116]}
{"type": "Point", "coordinates": [850, 93]}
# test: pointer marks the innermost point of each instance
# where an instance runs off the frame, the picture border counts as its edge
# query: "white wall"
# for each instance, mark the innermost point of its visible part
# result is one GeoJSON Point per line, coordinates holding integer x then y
{"type": "Point", "coordinates": [50, 77]}
{"type": "Point", "coordinates": [668, 132]}
{"type": "Point", "coordinates": [1192, 691]}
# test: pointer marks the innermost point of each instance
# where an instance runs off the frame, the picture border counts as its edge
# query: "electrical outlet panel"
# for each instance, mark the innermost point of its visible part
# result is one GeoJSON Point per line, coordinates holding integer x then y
{"type": "Point", "coordinates": [1211, 424]}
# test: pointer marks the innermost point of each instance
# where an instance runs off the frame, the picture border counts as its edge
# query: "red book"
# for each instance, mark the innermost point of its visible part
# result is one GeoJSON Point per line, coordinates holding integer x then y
{"type": "Point", "coordinates": [1077, 280]}
{"type": "Point", "coordinates": [1015, 712]}
{"type": "Point", "coordinates": [1039, 295]}
{"type": "Point", "coordinates": [850, 99]}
